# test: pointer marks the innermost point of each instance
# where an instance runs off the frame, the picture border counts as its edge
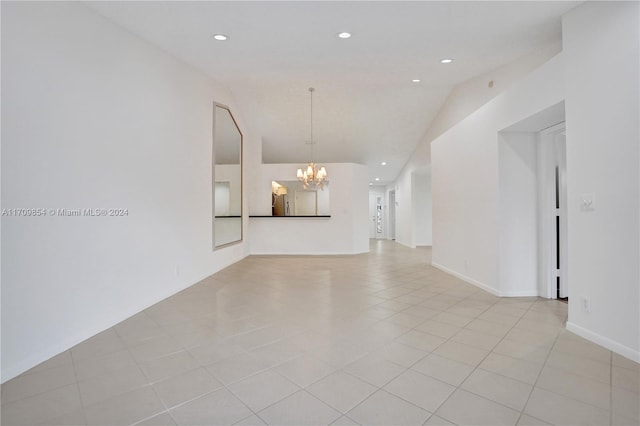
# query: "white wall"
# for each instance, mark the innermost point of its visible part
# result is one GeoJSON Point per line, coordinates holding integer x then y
{"type": "Point", "coordinates": [233, 175]}
{"type": "Point", "coordinates": [94, 117]}
{"type": "Point", "coordinates": [518, 213]}
{"type": "Point", "coordinates": [227, 230]}
{"type": "Point", "coordinates": [465, 179]}
{"type": "Point", "coordinates": [390, 219]}
{"type": "Point", "coordinates": [601, 45]}
{"type": "Point", "coordinates": [421, 203]}
{"type": "Point", "coordinates": [598, 71]}
{"type": "Point", "coordinates": [404, 210]}
{"type": "Point", "coordinates": [413, 207]}
{"type": "Point", "coordinates": [345, 232]}
{"type": "Point", "coordinates": [463, 100]}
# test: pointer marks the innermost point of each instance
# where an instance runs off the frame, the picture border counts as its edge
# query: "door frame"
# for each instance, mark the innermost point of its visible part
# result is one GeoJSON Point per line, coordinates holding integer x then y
{"type": "Point", "coordinates": [391, 214]}
{"type": "Point", "coordinates": [372, 215]}
{"type": "Point", "coordinates": [552, 154]}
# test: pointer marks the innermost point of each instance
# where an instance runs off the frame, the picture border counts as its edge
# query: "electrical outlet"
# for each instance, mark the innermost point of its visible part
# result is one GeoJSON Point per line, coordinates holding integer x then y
{"type": "Point", "coordinates": [586, 304]}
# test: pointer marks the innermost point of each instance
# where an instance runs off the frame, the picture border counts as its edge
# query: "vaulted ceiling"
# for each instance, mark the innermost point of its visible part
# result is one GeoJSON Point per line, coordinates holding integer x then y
{"type": "Point", "coordinates": [366, 107]}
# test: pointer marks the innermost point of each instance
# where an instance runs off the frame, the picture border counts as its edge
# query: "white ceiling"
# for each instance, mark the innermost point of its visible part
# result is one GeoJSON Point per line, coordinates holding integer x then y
{"type": "Point", "coordinates": [366, 109]}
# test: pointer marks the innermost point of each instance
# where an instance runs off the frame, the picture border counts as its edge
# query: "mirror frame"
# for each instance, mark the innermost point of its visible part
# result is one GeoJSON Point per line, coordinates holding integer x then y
{"type": "Point", "coordinates": [213, 178]}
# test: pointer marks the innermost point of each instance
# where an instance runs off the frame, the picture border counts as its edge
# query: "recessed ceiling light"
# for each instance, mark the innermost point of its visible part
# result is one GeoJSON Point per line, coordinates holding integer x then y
{"type": "Point", "coordinates": [370, 183]}
{"type": "Point", "coordinates": [344, 35]}
{"type": "Point", "coordinates": [416, 80]}
{"type": "Point", "coordinates": [377, 178]}
{"type": "Point", "coordinates": [384, 163]}
{"type": "Point", "coordinates": [220, 37]}
{"type": "Point", "coordinates": [446, 61]}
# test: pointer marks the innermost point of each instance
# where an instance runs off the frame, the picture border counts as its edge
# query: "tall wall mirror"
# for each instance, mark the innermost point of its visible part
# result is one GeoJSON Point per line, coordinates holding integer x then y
{"type": "Point", "coordinates": [227, 178]}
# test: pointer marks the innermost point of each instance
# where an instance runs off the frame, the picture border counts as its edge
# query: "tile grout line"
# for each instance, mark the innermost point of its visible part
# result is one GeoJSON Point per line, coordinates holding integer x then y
{"type": "Point", "coordinates": [75, 382]}
{"type": "Point", "coordinates": [400, 274]}
{"type": "Point", "coordinates": [533, 387]}
{"type": "Point", "coordinates": [341, 369]}
{"type": "Point", "coordinates": [459, 387]}
{"type": "Point", "coordinates": [137, 363]}
{"type": "Point", "coordinates": [430, 352]}
{"type": "Point", "coordinates": [223, 386]}
{"type": "Point", "coordinates": [610, 387]}
{"type": "Point", "coordinates": [75, 374]}
{"type": "Point", "coordinates": [151, 384]}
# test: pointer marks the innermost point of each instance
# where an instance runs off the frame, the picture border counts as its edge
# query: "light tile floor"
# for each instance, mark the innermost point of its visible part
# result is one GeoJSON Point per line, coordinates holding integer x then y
{"type": "Point", "coordinates": [379, 338]}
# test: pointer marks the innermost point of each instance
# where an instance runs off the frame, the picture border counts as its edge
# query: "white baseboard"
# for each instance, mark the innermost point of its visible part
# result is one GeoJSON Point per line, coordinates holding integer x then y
{"type": "Point", "coordinates": [299, 253]}
{"type": "Point", "coordinates": [402, 243]}
{"type": "Point", "coordinates": [484, 286]}
{"type": "Point", "coordinates": [519, 294]}
{"type": "Point", "coordinates": [467, 279]}
{"type": "Point", "coordinates": [612, 345]}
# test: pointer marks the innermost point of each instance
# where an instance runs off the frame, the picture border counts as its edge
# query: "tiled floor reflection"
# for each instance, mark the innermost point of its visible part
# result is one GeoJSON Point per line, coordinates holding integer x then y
{"type": "Point", "coordinates": [381, 338]}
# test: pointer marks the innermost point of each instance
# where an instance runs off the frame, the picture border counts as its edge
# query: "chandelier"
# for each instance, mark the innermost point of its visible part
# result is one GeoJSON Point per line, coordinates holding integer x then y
{"type": "Point", "coordinates": [312, 176]}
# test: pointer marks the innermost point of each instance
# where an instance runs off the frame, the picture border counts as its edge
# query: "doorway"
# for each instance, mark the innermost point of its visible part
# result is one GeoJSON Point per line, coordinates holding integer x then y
{"type": "Point", "coordinates": [533, 206]}
{"type": "Point", "coordinates": [553, 212]}
{"type": "Point", "coordinates": [376, 214]}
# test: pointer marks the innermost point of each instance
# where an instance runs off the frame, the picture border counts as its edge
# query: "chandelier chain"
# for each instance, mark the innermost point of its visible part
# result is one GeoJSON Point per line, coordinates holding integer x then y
{"type": "Point", "coordinates": [311, 142]}
{"type": "Point", "coordinates": [312, 176]}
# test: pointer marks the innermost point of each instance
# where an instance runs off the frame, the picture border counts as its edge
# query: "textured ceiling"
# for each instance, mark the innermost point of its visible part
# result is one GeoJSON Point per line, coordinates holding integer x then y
{"type": "Point", "coordinates": [366, 109]}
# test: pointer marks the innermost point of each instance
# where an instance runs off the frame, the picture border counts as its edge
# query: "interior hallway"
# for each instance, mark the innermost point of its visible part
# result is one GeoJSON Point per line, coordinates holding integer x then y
{"type": "Point", "coordinates": [378, 338]}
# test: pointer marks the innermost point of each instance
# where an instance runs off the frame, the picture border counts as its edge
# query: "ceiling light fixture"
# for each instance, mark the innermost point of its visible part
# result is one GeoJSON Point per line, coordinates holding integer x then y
{"type": "Point", "coordinates": [384, 163]}
{"type": "Point", "coordinates": [446, 61]}
{"type": "Point", "coordinates": [312, 176]}
{"type": "Point", "coordinates": [220, 37]}
{"type": "Point", "coordinates": [377, 179]}
{"type": "Point", "coordinates": [416, 80]}
{"type": "Point", "coordinates": [344, 35]}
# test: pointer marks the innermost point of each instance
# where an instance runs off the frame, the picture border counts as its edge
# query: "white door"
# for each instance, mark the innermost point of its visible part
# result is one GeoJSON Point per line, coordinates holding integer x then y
{"type": "Point", "coordinates": [379, 217]}
{"type": "Point", "coordinates": [376, 214]}
{"type": "Point", "coordinates": [392, 215]}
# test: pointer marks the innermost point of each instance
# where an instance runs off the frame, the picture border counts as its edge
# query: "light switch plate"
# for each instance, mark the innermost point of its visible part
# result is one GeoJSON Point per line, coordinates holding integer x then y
{"type": "Point", "coordinates": [588, 202]}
